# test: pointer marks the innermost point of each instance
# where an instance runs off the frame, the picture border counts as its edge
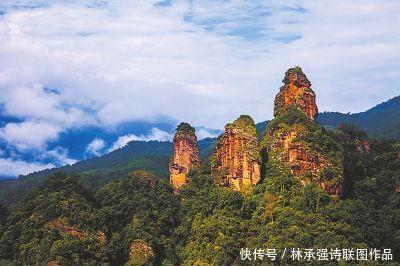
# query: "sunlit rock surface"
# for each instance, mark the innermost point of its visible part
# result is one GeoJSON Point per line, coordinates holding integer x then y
{"type": "Point", "coordinates": [236, 161]}
{"type": "Point", "coordinates": [186, 155]}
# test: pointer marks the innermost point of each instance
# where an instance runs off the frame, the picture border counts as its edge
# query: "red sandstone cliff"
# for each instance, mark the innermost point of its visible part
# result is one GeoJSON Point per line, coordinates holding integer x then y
{"type": "Point", "coordinates": [304, 162]}
{"type": "Point", "coordinates": [186, 155]}
{"type": "Point", "coordinates": [293, 137]}
{"type": "Point", "coordinates": [236, 162]}
{"type": "Point", "coordinates": [296, 91]}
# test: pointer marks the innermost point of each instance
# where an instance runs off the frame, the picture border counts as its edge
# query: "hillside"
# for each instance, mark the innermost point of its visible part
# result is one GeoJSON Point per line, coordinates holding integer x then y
{"type": "Point", "coordinates": [87, 223]}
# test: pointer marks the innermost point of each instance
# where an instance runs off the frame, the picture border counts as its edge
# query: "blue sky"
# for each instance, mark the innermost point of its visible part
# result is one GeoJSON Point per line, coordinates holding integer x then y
{"type": "Point", "coordinates": [66, 65]}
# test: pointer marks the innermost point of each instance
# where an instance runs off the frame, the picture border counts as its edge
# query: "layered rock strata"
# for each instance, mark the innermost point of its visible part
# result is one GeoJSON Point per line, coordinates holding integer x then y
{"type": "Point", "coordinates": [236, 161]}
{"type": "Point", "coordinates": [186, 155]}
{"type": "Point", "coordinates": [296, 91]}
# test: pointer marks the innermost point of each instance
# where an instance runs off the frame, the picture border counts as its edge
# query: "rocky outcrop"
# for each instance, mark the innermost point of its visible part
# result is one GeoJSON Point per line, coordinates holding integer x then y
{"type": "Point", "coordinates": [236, 161]}
{"type": "Point", "coordinates": [186, 155]}
{"type": "Point", "coordinates": [296, 91]}
{"type": "Point", "coordinates": [306, 161]}
{"type": "Point", "coordinates": [398, 185]}
{"type": "Point", "coordinates": [140, 253]}
{"type": "Point", "coordinates": [65, 228]}
{"type": "Point", "coordinates": [294, 139]}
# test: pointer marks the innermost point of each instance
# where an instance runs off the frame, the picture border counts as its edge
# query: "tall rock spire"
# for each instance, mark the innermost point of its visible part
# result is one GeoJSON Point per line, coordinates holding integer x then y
{"type": "Point", "coordinates": [186, 155]}
{"type": "Point", "coordinates": [293, 138]}
{"type": "Point", "coordinates": [296, 91]}
{"type": "Point", "coordinates": [236, 161]}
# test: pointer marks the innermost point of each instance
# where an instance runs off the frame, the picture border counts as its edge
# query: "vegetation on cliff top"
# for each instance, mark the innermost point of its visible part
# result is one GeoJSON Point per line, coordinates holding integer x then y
{"type": "Point", "coordinates": [185, 129]}
{"type": "Point", "coordinates": [244, 124]}
{"type": "Point", "coordinates": [314, 139]}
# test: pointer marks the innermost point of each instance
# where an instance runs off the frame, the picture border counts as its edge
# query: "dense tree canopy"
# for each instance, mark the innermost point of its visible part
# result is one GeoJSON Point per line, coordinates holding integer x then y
{"type": "Point", "coordinates": [137, 219]}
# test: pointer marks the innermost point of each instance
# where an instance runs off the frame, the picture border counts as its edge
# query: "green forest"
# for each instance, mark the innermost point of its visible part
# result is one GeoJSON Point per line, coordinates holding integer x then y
{"type": "Point", "coordinates": [136, 219]}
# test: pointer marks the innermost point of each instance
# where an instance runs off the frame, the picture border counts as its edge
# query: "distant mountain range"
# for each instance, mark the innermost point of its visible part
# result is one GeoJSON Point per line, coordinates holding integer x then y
{"type": "Point", "coordinates": [381, 121]}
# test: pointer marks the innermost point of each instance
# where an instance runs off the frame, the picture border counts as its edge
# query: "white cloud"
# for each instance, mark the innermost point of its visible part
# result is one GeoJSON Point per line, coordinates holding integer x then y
{"type": "Point", "coordinates": [203, 133]}
{"type": "Point", "coordinates": [95, 146]}
{"type": "Point", "coordinates": [155, 134]}
{"type": "Point", "coordinates": [34, 102]}
{"type": "Point", "coordinates": [29, 134]}
{"type": "Point", "coordinates": [11, 168]}
{"type": "Point", "coordinates": [60, 156]}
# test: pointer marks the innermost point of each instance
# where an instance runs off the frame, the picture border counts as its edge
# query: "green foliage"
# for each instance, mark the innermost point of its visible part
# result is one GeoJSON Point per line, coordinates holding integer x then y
{"type": "Point", "coordinates": [3, 214]}
{"type": "Point", "coordinates": [139, 207]}
{"type": "Point", "coordinates": [30, 237]}
{"type": "Point", "coordinates": [308, 137]}
{"type": "Point", "coordinates": [65, 222]}
{"type": "Point", "coordinates": [185, 127]}
{"type": "Point", "coordinates": [211, 225]}
{"type": "Point", "coordinates": [381, 121]}
{"type": "Point", "coordinates": [245, 124]}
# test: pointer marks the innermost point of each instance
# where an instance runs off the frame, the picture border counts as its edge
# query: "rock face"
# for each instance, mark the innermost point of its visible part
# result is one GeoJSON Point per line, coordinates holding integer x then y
{"type": "Point", "coordinates": [296, 91]}
{"type": "Point", "coordinates": [296, 140]}
{"type": "Point", "coordinates": [186, 155]}
{"type": "Point", "coordinates": [398, 185]}
{"type": "Point", "coordinates": [236, 161]}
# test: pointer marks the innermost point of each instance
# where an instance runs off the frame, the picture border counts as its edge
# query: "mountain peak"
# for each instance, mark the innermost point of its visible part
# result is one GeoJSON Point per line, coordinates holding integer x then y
{"type": "Point", "coordinates": [296, 91]}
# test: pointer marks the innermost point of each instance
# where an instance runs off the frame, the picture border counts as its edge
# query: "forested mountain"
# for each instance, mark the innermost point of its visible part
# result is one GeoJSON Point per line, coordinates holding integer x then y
{"type": "Point", "coordinates": [65, 223]}
{"type": "Point", "coordinates": [381, 121]}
